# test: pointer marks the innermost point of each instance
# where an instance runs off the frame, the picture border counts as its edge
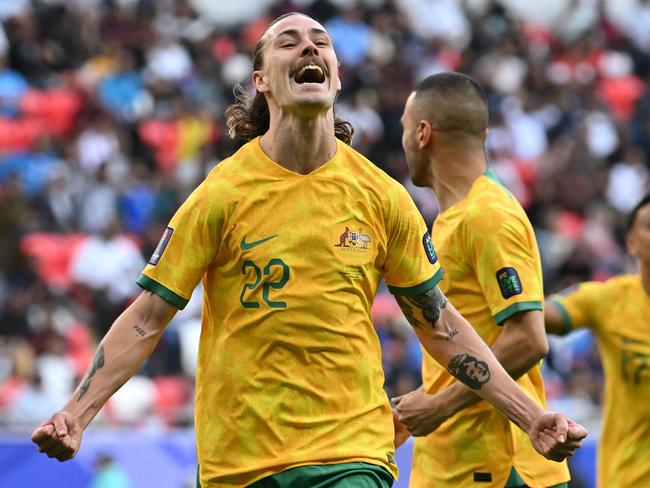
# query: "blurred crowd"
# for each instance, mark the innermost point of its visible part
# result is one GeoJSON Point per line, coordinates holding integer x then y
{"type": "Point", "coordinates": [112, 111]}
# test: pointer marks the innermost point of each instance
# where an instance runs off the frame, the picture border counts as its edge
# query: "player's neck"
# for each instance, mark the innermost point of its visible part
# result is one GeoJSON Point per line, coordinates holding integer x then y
{"type": "Point", "coordinates": [300, 144]}
{"type": "Point", "coordinates": [454, 176]}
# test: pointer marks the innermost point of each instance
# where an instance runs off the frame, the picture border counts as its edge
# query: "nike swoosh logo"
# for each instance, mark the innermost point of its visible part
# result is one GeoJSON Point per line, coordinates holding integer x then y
{"type": "Point", "coordinates": [245, 246]}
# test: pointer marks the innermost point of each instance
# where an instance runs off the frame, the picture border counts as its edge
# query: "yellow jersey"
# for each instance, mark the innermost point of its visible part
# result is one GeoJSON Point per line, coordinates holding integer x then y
{"type": "Point", "coordinates": [492, 270]}
{"type": "Point", "coordinates": [289, 369]}
{"type": "Point", "coordinates": [618, 311]}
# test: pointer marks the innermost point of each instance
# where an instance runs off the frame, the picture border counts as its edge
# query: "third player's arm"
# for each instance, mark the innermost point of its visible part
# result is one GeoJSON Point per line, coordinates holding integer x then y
{"type": "Point", "coordinates": [553, 319]}
{"type": "Point", "coordinates": [454, 343]}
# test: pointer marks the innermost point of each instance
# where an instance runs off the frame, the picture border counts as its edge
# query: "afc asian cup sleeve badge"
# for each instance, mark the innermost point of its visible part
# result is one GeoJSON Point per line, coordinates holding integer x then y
{"type": "Point", "coordinates": [428, 248]}
{"type": "Point", "coordinates": [509, 282]}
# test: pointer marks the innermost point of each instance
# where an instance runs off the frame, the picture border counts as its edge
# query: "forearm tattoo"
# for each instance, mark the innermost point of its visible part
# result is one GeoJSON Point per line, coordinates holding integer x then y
{"type": "Point", "coordinates": [98, 363]}
{"type": "Point", "coordinates": [469, 370]}
{"type": "Point", "coordinates": [424, 309]}
{"type": "Point", "coordinates": [139, 330]}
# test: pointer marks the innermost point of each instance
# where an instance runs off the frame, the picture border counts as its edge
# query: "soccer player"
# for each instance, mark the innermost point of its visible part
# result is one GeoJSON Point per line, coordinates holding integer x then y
{"type": "Point", "coordinates": [290, 237]}
{"type": "Point", "coordinates": [494, 278]}
{"type": "Point", "coordinates": [618, 311]}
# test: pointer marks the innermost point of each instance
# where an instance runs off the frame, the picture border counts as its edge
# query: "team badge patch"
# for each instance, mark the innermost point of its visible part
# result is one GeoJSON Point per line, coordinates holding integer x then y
{"type": "Point", "coordinates": [160, 248]}
{"type": "Point", "coordinates": [428, 247]}
{"type": "Point", "coordinates": [509, 282]}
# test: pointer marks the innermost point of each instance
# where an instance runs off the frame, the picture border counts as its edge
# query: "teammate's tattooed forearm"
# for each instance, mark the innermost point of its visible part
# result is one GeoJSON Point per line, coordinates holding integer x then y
{"type": "Point", "coordinates": [424, 309]}
{"type": "Point", "coordinates": [98, 363]}
{"type": "Point", "coordinates": [469, 370]}
{"type": "Point", "coordinates": [450, 337]}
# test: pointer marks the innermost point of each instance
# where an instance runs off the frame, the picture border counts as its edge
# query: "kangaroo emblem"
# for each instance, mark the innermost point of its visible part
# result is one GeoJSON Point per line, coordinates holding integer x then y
{"type": "Point", "coordinates": [343, 238]}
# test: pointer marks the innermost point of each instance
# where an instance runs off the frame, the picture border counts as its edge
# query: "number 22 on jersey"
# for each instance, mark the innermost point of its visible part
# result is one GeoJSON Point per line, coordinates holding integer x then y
{"type": "Point", "coordinates": [257, 276]}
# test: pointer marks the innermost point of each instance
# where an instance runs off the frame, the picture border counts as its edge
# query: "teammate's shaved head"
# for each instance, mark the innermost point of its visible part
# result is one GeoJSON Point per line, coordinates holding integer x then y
{"type": "Point", "coordinates": [453, 103]}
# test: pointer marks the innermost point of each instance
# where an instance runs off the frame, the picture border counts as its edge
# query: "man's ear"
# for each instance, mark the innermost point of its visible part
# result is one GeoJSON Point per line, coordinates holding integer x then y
{"type": "Point", "coordinates": [424, 134]}
{"type": "Point", "coordinates": [338, 78]}
{"type": "Point", "coordinates": [259, 80]}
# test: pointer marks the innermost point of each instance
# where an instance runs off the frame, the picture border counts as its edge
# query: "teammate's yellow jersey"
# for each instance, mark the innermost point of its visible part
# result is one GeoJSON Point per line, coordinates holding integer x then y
{"type": "Point", "coordinates": [492, 270]}
{"type": "Point", "coordinates": [618, 311]}
{"type": "Point", "coordinates": [289, 369]}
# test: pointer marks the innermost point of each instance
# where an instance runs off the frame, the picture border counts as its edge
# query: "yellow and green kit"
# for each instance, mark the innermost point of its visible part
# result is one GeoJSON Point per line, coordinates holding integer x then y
{"type": "Point", "coordinates": [492, 270]}
{"type": "Point", "coordinates": [289, 369]}
{"type": "Point", "coordinates": [618, 312]}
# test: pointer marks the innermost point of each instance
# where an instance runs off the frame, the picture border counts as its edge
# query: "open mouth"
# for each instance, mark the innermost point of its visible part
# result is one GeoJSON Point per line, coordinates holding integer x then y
{"type": "Point", "coordinates": [310, 73]}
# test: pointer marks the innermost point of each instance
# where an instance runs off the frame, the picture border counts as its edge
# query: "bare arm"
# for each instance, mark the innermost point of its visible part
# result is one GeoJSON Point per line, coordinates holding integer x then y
{"type": "Point", "coordinates": [453, 342]}
{"type": "Point", "coordinates": [127, 344]}
{"type": "Point", "coordinates": [553, 320]}
{"type": "Point", "coordinates": [520, 345]}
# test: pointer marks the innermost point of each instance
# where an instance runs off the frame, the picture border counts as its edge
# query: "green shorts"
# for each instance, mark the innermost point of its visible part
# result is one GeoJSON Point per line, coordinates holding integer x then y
{"type": "Point", "coordinates": [345, 475]}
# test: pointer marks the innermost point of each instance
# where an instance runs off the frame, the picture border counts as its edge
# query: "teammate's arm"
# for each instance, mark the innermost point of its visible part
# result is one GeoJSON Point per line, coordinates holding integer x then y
{"type": "Point", "coordinates": [454, 343]}
{"type": "Point", "coordinates": [520, 345]}
{"type": "Point", "coordinates": [553, 319]}
{"type": "Point", "coordinates": [127, 344]}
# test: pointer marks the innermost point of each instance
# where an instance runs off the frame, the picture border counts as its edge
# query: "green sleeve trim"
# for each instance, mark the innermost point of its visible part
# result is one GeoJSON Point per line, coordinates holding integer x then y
{"type": "Point", "coordinates": [566, 320]}
{"type": "Point", "coordinates": [411, 291]}
{"type": "Point", "coordinates": [507, 312]}
{"type": "Point", "coordinates": [162, 291]}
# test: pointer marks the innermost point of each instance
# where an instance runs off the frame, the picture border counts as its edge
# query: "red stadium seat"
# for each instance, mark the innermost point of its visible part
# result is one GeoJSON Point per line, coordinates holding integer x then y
{"type": "Point", "coordinates": [172, 393]}
{"type": "Point", "coordinates": [53, 253]}
{"type": "Point", "coordinates": [55, 108]}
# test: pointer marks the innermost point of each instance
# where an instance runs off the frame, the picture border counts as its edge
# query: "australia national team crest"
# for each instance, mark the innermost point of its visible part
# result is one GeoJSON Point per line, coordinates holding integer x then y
{"type": "Point", "coordinates": [354, 244]}
{"type": "Point", "coordinates": [353, 239]}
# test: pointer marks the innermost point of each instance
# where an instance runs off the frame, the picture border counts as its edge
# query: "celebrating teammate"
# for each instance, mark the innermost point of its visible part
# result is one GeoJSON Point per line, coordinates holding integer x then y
{"type": "Point", "coordinates": [494, 278]}
{"type": "Point", "coordinates": [291, 236]}
{"type": "Point", "coordinates": [618, 311]}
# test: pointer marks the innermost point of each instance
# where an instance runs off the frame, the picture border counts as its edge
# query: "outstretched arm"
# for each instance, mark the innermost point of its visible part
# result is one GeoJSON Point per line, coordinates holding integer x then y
{"type": "Point", "coordinates": [127, 344]}
{"type": "Point", "coordinates": [454, 343]}
{"type": "Point", "coordinates": [520, 345]}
